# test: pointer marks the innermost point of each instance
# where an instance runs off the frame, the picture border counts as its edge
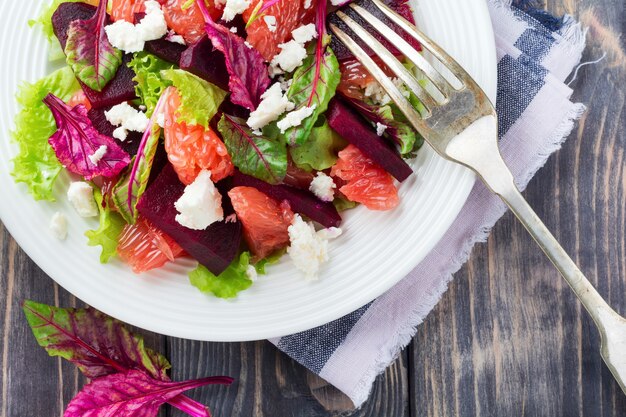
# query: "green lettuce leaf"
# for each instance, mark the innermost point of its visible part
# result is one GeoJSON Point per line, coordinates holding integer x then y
{"type": "Point", "coordinates": [261, 265]}
{"type": "Point", "coordinates": [255, 155]}
{"type": "Point", "coordinates": [36, 164]}
{"type": "Point", "coordinates": [313, 85]}
{"type": "Point", "coordinates": [200, 100]}
{"type": "Point", "coordinates": [150, 83]}
{"type": "Point", "coordinates": [88, 50]}
{"type": "Point", "coordinates": [107, 234]}
{"type": "Point", "coordinates": [227, 284]}
{"type": "Point", "coordinates": [320, 151]}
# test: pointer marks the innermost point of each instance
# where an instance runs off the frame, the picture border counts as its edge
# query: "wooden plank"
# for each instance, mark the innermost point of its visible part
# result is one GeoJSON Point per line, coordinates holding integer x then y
{"type": "Point", "coordinates": [509, 337]}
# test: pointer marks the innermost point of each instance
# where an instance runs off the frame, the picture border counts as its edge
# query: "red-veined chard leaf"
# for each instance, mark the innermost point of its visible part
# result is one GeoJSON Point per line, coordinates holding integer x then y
{"type": "Point", "coordinates": [315, 82]}
{"type": "Point", "coordinates": [88, 50]}
{"type": "Point", "coordinates": [131, 394]}
{"type": "Point", "coordinates": [255, 155]}
{"type": "Point", "coordinates": [397, 129]}
{"type": "Point", "coordinates": [248, 73]}
{"type": "Point", "coordinates": [99, 345]}
{"type": "Point", "coordinates": [132, 185]}
{"type": "Point", "coordinates": [76, 139]}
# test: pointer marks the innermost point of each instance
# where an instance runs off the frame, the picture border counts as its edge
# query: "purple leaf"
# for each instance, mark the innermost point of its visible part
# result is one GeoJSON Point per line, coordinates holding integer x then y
{"type": "Point", "coordinates": [248, 74]}
{"type": "Point", "coordinates": [99, 345]}
{"type": "Point", "coordinates": [131, 394]}
{"type": "Point", "coordinates": [76, 140]}
{"type": "Point", "coordinates": [88, 50]}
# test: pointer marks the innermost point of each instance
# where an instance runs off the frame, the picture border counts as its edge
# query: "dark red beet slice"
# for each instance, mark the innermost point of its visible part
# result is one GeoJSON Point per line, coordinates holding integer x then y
{"type": "Point", "coordinates": [166, 50]}
{"type": "Point", "coordinates": [121, 87]}
{"type": "Point", "coordinates": [214, 248]}
{"type": "Point", "coordinates": [400, 6]}
{"type": "Point", "coordinates": [356, 130]}
{"type": "Point", "coordinates": [301, 201]}
{"type": "Point", "coordinates": [102, 125]}
{"type": "Point", "coordinates": [206, 62]}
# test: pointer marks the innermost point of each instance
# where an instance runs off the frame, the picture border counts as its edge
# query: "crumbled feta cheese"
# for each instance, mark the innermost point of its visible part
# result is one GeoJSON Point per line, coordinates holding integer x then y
{"type": "Point", "coordinates": [248, 44]}
{"type": "Point", "coordinates": [295, 118]}
{"type": "Point", "coordinates": [308, 248]}
{"type": "Point", "coordinates": [251, 272]}
{"type": "Point", "coordinates": [174, 37]}
{"type": "Point", "coordinates": [58, 225]}
{"type": "Point", "coordinates": [274, 69]}
{"type": "Point", "coordinates": [273, 104]}
{"type": "Point", "coordinates": [307, 4]}
{"type": "Point", "coordinates": [378, 95]}
{"type": "Point", "coordinates": [290, 57]}
{"type": "Point", "coordinates": [380, 128]}
{"type": "Point", "coordinates": [127, 118]}
{"type": "Point", "coordinates": [270, 21]}
{"type": "Point", "coordinates": [132, 38]}
{"type": "Point", "coordinates": [98, 154]}
{"type": "Point", "coordinates": [285, 84]}
{"type": "Point", "coordinates": [304, 33]}
{"type": "Point", "coordinates": [80, 194]}
{"type": "Point", "coordinates": [233, 8]}
{"type": "Point", "coordinates": [233, 29]}
{"type": "Point", "coordinates": [323, 187]}
{"type": "Point", "coordinates": [201, 203]}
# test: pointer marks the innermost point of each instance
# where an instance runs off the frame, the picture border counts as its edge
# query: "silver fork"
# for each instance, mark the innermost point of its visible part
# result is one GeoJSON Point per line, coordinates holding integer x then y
{"type": "Point", "coordinates": [460, 123]}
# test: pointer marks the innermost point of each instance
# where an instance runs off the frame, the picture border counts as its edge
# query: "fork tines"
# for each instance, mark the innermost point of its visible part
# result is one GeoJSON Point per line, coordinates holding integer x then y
{"type": "Point", "coordinates": [438, 89]}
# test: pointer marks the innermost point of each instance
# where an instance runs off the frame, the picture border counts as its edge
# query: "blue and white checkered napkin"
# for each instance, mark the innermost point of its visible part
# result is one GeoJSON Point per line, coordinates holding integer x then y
{"type": "Point", "coordinates": [535, 56]}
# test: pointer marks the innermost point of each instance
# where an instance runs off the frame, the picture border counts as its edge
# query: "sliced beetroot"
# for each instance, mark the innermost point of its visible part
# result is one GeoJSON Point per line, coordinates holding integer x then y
{"type": "Point", "coordinates": [215, 247]}
{"type": "Point", "coordinates": [401, 6]}
{"type": "Point", "coordinates": [102, 125]}
{"type": "Point", "coordinates": [301, 201]}
{"type": "Point", "coordinates": [206, 62]}
{"type": "Point", "coordinates": [121, 87]}
{"type": "Point", "coordinates": [166, 50]}
{"type": "Point", "coordinates": [356, 130]}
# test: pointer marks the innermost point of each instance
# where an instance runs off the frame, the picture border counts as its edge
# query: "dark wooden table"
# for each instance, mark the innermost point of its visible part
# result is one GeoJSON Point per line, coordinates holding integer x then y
{"type": "Point", "coordinates": [508, 339]}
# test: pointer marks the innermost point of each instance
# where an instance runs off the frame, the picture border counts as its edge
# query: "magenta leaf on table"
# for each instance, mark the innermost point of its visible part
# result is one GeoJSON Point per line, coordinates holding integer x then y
{"type": "Point", "coordinates": [99, 345]}
{"type": "Point", "coordinates": [248, 73]}
{"type": "Point", "coordinates": [76, 140]}
{"type": "Point", "coordinates": [131, 394]}
{"type": "Point", "coordinates": [88, 50]}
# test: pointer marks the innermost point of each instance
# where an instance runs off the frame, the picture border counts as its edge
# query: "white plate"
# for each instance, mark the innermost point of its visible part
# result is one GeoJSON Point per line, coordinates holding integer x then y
{"type": "Point", "coordinates": [376, 250]}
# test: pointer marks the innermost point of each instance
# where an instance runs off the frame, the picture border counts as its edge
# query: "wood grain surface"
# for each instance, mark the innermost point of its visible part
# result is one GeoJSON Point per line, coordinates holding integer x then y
{"type": "Point", "coordinates": [507, 339]}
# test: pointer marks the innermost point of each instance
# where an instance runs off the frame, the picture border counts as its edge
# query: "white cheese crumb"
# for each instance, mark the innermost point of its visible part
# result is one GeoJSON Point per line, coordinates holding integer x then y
{"type": "Point", "coordinates": [248, 44]}
{"type": "Point", "coordinates": [174, 37]}
{"type": "Point", "coordinates": [290, 57]}
{"type": "Point", "coordinates": [132, 38]}
{"type": "Point", "coordinates": [233, 8]}
{"type": "Point", "coordinates": [323, 187]}
{"type": "Point", "coordinates": [378, 95]}
{"type": "Point", "coordinates": [80, 194]}
{"type": "Point", "coordinates": [127, 118]}
{"type": "Point", "coordinates": [58, 225]}
{"type": "Point", "coordinates": [233, 29]}
{"type": "Point", "coordinates": [273, 104]}
{"type": "Point", "coordinates": [252, 273]}
{"type": "Point", "coordinates": [270, 21]}
{"type": "Point", "coordinates": [308, 248]}
{"type": "Point", "coordinates": [307, 4]}
{"type": "Point", "coordinates": [98, 154]}
{"type": "Point", "coordinates": [304, 33]}
{"type": "Point", "coordinates": [201, 203]}
{"type": "Point", "coordinates": [380, 128]}
{"type": "Point", "coordinates": [295, 118]}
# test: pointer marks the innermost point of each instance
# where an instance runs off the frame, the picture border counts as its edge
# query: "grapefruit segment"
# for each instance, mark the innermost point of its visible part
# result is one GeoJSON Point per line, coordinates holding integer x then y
{"type": "Point", "coordinates": [188, 23]}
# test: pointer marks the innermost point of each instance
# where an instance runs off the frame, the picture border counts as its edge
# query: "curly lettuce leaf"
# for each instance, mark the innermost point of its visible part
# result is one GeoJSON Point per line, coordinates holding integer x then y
{"type": "Point", "coordinates": [200, 100]}
{"type": "Point", "coordinates": [150, 83]}
{"type": "Point", "coordinates": [272, 259]}
{"type": "Point", "coordinates": [255, 155]}
{"type": "Point", "coordinates": [227, 284]}
{"type": "Point", "coordinates": [88, 50]}
{"type": "Point", "coordinates": [314, 85]}
{"type": "Point", "coordinates": [108, 233]}
{"type": "Point", "coordinates": [76, 140]}
{"type": "Point", "coordinates": [320, 151]}
{"type": "Point", "coordinates": [36, 164]}
{"type": "Point", "coordinates": [131, 186]}
{"type": "Point", "coordinates": [249, 77]}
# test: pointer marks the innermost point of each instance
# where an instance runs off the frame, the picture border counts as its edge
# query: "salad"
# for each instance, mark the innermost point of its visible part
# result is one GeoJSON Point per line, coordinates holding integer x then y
{"type": "Point", "coordinates": [234, 132]}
